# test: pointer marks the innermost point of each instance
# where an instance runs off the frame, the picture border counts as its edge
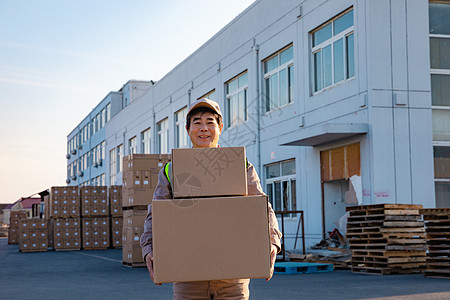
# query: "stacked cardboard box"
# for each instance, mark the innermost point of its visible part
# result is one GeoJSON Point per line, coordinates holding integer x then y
{"type": "Point", "coordinates": [66, 234]}
{"type": "Point", "coordinates": [95, 217]}
{"type": "Point", "coordinates": [211, 230]}
{"type": "Point", "coordinates": [116, 231]}
{"type": "Point", "coordinates": [133, 227]}
{"type": "Point", "coordinates": [94, 201]}
{"type": "Point", "coordinates": [140, 177]}
{"type": "Point", "coordinates": [115, 201]}
{"type": "Point", "coordinates": [13, 231]}
{"type": "Point", "coordinates": [116, 212]}
{"type": "Point", "coordinates": [64, 213]}
{"type": "Point", "coordinates": [33, 235]}
{"type": "Point", "coordinates": [96, 233]}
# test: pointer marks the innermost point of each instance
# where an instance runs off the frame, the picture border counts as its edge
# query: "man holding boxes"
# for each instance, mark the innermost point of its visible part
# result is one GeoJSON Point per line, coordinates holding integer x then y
{"type": "Point", "coordinates": [204, 126]}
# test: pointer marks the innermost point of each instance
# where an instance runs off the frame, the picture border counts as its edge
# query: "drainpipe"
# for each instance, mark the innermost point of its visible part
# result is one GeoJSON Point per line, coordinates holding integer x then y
{"type": "Point", "coordinates": [258, 106]}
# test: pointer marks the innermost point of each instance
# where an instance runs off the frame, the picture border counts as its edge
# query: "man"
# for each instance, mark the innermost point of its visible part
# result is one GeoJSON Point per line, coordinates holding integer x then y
{"type": "Point", "coordinates": [204, 126]}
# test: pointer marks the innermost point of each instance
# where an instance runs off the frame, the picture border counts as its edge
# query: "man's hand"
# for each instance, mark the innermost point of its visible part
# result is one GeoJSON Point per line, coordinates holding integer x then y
{"type": "Point", "coordinates": [149, 262]}
{"type": "Point", "coordinates": [273, 257]}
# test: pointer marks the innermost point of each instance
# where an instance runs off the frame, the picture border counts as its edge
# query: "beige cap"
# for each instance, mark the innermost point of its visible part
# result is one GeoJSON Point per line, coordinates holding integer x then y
{"type": "Point", "coordinates": [206, 103]}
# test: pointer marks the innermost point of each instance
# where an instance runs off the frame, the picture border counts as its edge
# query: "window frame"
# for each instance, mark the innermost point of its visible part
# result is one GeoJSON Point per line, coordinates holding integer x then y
{"type": "Point", "coordinates": [112, 166]}
{"type": "Point", "coordinates": [132, 145]}
{"type": "Point", "coordinates": [163, 133]}
{"type": "Point", "coordinates": [146, 141]}
{"type": "Point", "coordinates": [344, 34]}
{"type": "Point", "coordinates": [180, 126]}
{"type": "Point", "coordinates": [285, 66]}
{"type": "Point", "coordinates": [291, 180]}
{"type": "Point", "coordinates": [236, 92]}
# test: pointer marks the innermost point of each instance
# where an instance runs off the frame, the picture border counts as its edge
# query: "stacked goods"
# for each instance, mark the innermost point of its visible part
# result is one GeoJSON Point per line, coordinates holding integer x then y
{"type": "Point", "coordinates": [66, 234]}
{"type": "Point", "coordinates": [95, 217]}
{"type": "Point", "coordinates": [211, 222]}
{"type": "Point", "coordinates": [437, 223]}
{"type": "Point", "coordinates": [386, 238]}
{"type": "Point", "coordinates": [115, 201]}
{"type": "Point", "coordinates": [96, 233]}
{"type": "Point", "coordinates": [13, 231]}
{"type": "Point", "coordinates": [140, 177]}
{"type": "Point", "coordinates": [133, 227]}
{"type": "Point", "coordinates": [33, 235]}
{"type": "Point", "coordinates": [94, 201]}
{"type": "Point", "coordinates": [116, 212]}
{"type": "Point", "coordinates": [64, 212]}
{"type": "Point", "coordinates": [116, 231]}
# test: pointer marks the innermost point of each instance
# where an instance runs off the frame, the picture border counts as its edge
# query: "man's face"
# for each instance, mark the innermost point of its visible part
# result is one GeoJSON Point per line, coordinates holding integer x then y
{"type": "Point", "coordinates": [204, 130]}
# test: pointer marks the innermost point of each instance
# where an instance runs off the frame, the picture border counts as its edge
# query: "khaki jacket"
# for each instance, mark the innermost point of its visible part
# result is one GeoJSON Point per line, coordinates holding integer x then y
{"type": "Point", "coordinates": [163, 191]}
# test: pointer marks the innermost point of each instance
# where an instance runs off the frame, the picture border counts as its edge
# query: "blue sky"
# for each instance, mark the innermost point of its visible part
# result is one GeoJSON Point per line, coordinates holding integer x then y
{"type": "Point", "coordinates": [58, 59]}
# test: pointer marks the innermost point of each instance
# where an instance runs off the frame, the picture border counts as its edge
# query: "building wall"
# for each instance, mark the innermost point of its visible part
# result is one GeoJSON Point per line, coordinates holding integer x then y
{"type": "Point", "coordinates": [390, 93]}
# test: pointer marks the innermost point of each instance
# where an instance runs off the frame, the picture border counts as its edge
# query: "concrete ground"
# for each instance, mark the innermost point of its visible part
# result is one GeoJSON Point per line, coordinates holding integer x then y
{"type": "Point", "coordinates": [100, 274]}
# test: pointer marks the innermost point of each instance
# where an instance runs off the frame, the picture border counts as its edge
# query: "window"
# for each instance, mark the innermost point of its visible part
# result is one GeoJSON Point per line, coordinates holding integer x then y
{"type": "Point", "coordinates": [145, 138]}
{"type": "Point", "coordinates": [439, 13]}
{"type": "Point", "coordinates": [132, 145]}
{"type": "Point", "coordinates": [103, 179]}
{"type": "Point", "coordinates": [112, 166]}
{"type": "Point", "coordinates": [120, 157]}
{"type": "Point", "coordinates": [181, 135]}
{"type": "Point", "coordinates": [103, 150]}
{"type": "Point", "coordinates": [125, 102]}
{"type": "Point", "coordinates": [281, 185]}
{"type": "Point", "coordinates": [278, 78]}
{"type": "Point", "coordinates": [163, 136]}
{"type": "Point", "coordinates": [108, 112]}
{"type": "Point", "coordinates": [211, 95]}
{"type": "Point", "coordinates": [236, 90]}
{"type": "Point", "coordinates": [333, 51]}
{"type": "Point", "coordinates": [103, 118]}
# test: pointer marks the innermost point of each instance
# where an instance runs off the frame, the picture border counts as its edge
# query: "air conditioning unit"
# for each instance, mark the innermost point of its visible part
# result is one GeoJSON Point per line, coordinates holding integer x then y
{"type": "Point", "coordinates": [100, 162]}
{"type": "Point", "coordinates": [74, 177]}
{"type": "Point", "coordinates": [80, 173]}
{"type": "Point", "coordinates": [80, 147]}
{"type": "Point", "coordinates": [95, 165]}
{"type": "Point", "coordinates": [67, 180]}
{"type": "Point", "coordinates": [68, 156]}
{"type": "Point", "coordinates": [74, 151]}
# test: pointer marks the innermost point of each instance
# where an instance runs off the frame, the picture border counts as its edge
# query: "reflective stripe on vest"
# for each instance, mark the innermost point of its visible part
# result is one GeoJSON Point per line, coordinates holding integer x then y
{"type": "Point", "coordinates": [168, 169]}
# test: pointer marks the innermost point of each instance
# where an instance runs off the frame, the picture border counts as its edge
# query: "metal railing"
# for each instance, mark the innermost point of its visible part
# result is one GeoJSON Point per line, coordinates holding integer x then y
{"type": "Point", "coordinates": [300, 222]}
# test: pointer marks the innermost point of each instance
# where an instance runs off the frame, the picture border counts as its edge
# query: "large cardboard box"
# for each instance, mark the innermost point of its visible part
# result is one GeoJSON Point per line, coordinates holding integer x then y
{"type": "Point", "coordinates": [209, 172]}
{"type": "Point", "coordinates": [211, 238]}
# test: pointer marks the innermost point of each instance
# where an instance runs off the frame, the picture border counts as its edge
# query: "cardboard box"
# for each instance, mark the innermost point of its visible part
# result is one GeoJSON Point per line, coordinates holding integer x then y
{"type": "Point", "coordinates": [211, 239]}
{"type": "Point", "coordinates": [209, 172]}
{"type": "Point", "coordinates": [134, 218]}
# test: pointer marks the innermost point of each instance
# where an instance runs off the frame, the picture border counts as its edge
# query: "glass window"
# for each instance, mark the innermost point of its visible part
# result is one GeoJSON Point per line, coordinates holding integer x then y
{"type": "Point", "coordinates": [278, 72]}
{"type": "Point", "coordinates": [333, 52]}
{"type": "Point", "coordinates": [108, 112]}
{"type": "Point", "coordinates": [237, 100]}
{"type": "Point", "coordinates": [440, 90]}
{"type": "Point", "coordinates": [145, 141]}
{"type": "Point", "coordinates": [132, 145]}
{"type": "Point", "coordinates": [211, 95]}
{"type": "Point", "coordinates": [103, 118]}
{"type": "Point", "coordinates": [441, 162]}
{"type": "Point", "coordinates": [441, 124]}
{"type": "Point", "coordinates": [120, 157]}
{"type": "Point", "coordinates": [181, 135]}
{"type": "Point", "coordinates": [442, 191]}
{"type": "Point", "coordinates": [112, 166]}
{"type": "Point", "coordinates": [163, 136]}
{"type": "Point", "coordinates": [281, 186]}
{"type": "Point", "coordinates": [438, 16]}
{"type": "Point", "coordinates": [440, 53]}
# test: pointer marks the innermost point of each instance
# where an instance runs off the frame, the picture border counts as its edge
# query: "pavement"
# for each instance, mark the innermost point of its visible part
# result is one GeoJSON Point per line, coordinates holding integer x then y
{"type": "Point", "coordinates": [100, 274]}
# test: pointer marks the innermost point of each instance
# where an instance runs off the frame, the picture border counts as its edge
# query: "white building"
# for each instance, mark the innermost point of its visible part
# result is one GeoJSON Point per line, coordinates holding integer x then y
{"type": "Point", "coordinates": [319, 92]}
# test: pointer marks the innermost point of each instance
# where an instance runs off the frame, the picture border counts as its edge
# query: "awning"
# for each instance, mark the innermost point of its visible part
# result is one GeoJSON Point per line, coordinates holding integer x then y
{"type": "Point", "coordinates": [323, 133]}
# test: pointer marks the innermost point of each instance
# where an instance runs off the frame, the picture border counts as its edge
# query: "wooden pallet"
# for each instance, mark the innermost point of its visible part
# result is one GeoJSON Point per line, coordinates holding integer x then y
{"type": "Point", "coordinates": [386, 239]}
{"type": "Point", "coordinates": [135, 264]}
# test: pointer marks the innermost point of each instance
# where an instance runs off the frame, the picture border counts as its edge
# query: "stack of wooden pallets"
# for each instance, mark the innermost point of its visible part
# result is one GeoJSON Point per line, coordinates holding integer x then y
{"type": "Point", "coordinates": [386, 238]}
{"type": "Point", "coordinates": [437, 223]}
